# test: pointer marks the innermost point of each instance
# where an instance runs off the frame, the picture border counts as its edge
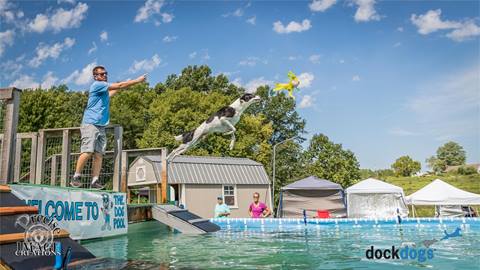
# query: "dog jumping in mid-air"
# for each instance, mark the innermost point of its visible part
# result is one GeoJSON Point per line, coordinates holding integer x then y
{"type": "Point", "coordinates": [223, 121]}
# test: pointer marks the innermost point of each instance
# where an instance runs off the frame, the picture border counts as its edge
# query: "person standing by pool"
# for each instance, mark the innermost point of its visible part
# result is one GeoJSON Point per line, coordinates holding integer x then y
{"type": "Point", "coordinates": [258, 209]}
{"type": "Point", "coordinates": [221, 209]}
{"type": "Point", "coordinates": [95, 118]}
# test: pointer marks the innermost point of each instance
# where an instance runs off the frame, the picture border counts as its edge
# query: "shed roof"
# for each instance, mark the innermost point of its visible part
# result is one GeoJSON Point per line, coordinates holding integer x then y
{"type": "Point", "coordinates": [212, 170]}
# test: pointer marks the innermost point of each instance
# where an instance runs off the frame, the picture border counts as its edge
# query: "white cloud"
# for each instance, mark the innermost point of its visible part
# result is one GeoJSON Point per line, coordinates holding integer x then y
{"type": "Point", "coordinates": [168, 39]}
{"type": "Point", "coordinates": [431, 22]}
{"type": "Point", "coordinates": [306, 102]}
{"type": "Point", "coordinates": [145, 65]}
{"type": "Point", "coordinates": [341, 61]}
{"type": "Point", "coordinates": [104, 36]}
{"type": "Point", "coordinates": [356, 78]}
{"type": "Point", "coordinates": [293, 57]}
{"type": "Point", "coordinates": [305, 79]}
{"type": "Point", "coordinates": [466, 31]}
{"type": "Point", "coordinates": [251, 61]}
{"type": "Point", "coordinates": [321, 5]}
{"type": "Point", "coordinates": [449, 104]}
{"type": "Point", "coordinates": [400, 29]}
{"type": "Point", "coordinates": [60, 19]}
{"type": "Point", "coordinates": [43, 51]}
{"type": "Point", "coordinates": [237, 82]}
{"type": "Point", "coordinates": [237, 12]}
{"type": "Point", "coordinates": [10, 68]}
{"type": "Point", "coordinates": [251, 86]}
{"type": "Point", "coordinates": [8, 12]}
{"type": "Point", "coordinates": [93, 49]}
{"type": "Point", "coordinates": [39, 24]}
{"type": "Point", "coordinates": [252, 20]}
{"type": "Point", "coordinates": [291, 27]}
{"type": "Point", "coordinates": [66, 1]}
{"type": "Point", "coordinates": [192, 55]}
{"type": "Point", "coordinates": [49, 80]}
{"type": "Point", "coordinates": [167, 17]}
{"type": "Point", "coordinates": [81, 77]}
{"type": "Point", "coordinates": [150, 9]}
{"type": "Point", "coordinates": [397, 131]}
{"type": "Point", "coordinates": [398, 44]}
{"type": "Point", "coordinates": [6, 39]}
{"type": "Point", "coordinates": [365, 11]}
{"type": "Point", "coordinates": [25, 82]}
{"type": "Point", "coordinates": [315, 58]}
{"type": "Point", "coordinates": [206, 56]}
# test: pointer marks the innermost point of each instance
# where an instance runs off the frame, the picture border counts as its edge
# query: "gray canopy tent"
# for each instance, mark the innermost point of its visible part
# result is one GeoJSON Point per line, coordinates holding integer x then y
{"type": "Point", "coordinates": [311, 194]}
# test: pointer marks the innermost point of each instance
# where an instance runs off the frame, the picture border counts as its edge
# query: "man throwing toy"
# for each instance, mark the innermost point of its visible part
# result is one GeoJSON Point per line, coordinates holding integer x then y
{"type": "Point", "coordinates": [95, 118]}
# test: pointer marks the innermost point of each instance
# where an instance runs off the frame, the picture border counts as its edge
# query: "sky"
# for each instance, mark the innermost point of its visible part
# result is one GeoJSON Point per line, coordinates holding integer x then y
{"type": "Point", "coordinates": [383, 78]}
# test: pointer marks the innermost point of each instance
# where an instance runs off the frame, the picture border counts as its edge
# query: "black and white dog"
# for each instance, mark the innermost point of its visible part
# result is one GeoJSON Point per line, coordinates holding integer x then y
{"type": "Point", "coordinates": [223, 121]}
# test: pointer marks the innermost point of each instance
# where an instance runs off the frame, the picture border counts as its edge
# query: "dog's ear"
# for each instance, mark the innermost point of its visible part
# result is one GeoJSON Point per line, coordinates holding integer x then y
{"type": "Point", "coordinates": [246, 97]}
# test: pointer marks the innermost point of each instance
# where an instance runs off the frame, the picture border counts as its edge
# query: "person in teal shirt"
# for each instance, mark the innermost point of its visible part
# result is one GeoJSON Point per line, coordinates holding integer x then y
{"type": "Point", "coordinates": [221, 209]}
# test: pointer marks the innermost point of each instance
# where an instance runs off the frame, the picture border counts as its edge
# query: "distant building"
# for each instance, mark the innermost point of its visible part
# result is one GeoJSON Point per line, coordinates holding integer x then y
{"type": "Point", "coordinates": [455, 168]}
{"type": "Point", "coordinates": [196, 182]}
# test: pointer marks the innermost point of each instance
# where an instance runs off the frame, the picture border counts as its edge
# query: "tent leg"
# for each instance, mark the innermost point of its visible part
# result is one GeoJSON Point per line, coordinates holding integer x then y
{"type": "Point", "coordinates": [413, 210]}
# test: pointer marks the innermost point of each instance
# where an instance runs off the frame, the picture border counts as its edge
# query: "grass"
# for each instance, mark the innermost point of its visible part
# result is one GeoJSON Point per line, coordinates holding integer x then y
{"type": "Point", "coordinates": [469, 183]}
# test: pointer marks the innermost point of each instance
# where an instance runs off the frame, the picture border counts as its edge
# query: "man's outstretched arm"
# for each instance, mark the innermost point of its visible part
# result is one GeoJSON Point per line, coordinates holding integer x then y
{"type": "Point", "coordinates": [114, 87]}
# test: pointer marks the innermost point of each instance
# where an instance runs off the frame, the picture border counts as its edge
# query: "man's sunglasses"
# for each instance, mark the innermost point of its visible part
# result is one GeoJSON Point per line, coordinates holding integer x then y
{"type": "Point", "coordinates": [102, 74]}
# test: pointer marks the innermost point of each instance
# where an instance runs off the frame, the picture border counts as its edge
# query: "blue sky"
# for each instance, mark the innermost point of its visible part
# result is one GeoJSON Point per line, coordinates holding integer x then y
{"type": "Point", "coordinates": [385, 78]}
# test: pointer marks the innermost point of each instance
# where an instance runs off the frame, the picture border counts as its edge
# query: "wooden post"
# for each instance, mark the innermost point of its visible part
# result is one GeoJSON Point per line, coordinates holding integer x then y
{"type": "Point", "coordinates": [66, 149]}
{"type": "Point", "coordinates": [53, 170]}
{"type": "Point", "coordinates": [41, 147]}
{"type": "Point", "coordinates": [18, 160]}
{"type": "Point", "coordinates": [124, 177]}
{"type": "Point", "coordinates": [117, 153]}
{"type": "Point", "coordinates": [33, 158]}
{"type": "Point", "coordinates": [11, 97]}
{"type": "Point", "coordinates": [163, 186]}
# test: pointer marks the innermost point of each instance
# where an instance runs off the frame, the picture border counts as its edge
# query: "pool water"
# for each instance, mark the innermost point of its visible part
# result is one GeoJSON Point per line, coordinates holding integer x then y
{"type": "Point", "coordinates": [243, 244]}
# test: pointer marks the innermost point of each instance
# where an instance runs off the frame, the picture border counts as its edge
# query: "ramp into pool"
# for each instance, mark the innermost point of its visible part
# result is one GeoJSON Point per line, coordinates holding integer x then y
{"type": "Point", "coordinates": [182, 220]}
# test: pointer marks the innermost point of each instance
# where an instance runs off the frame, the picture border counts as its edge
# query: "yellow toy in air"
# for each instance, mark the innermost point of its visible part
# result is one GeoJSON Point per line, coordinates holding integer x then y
{"type": "Point", "coordinates": [292, 84]}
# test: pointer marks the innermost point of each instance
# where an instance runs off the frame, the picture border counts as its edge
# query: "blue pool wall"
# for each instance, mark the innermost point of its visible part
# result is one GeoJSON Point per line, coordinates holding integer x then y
{"type": "Point", "coordinates": [285, 223]}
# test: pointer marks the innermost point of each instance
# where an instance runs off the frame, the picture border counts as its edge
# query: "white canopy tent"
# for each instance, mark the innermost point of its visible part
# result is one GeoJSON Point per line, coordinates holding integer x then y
{"type": "Point", "coordinates": [448, 198]}
{"type": "Point", "coordinates": [372, 198]}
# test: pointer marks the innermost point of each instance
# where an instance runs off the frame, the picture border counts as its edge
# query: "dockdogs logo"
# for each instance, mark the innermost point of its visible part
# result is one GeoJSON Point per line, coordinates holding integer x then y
{"type": "Point", "coordinates": [409, 251]}
{"type": "Point", "coordinates": [38, 237]}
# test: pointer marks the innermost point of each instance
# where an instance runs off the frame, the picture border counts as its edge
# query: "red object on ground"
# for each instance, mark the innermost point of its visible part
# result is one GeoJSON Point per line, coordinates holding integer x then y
{"type": "Point", "coordinates": [323, 214]}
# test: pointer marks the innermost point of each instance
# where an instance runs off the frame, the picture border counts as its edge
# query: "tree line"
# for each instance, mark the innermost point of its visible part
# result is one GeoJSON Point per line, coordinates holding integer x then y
{"type": "Point", "coordinates": [449, 154]}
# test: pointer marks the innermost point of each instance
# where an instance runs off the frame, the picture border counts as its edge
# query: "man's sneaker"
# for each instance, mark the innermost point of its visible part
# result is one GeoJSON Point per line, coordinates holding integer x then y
{"type": "Point", "coordinates": [76, 182]}
{"type": "Point", "coordinates": [96, 185]}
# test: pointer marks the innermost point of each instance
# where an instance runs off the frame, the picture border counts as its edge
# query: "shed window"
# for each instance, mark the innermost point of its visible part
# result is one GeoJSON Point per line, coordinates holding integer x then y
{"type": "Point", "coordinates": [229, 193]}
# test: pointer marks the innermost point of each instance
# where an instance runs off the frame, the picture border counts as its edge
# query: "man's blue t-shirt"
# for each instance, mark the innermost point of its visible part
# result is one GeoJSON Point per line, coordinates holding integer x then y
{"type": "Point", "coordinates": [98, 106]}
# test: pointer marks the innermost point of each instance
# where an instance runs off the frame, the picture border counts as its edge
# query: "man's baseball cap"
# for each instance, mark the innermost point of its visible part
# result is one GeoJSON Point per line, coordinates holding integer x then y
{"type": "Point", "coordinates": [219, 198]}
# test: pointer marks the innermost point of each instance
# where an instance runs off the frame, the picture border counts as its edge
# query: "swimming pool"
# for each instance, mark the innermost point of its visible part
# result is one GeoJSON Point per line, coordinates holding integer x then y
{"type": "Point", "coordinates": [290, 244]}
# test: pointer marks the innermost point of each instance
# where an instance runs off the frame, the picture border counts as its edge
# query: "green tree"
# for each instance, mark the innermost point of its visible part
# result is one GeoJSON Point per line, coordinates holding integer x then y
{"type": "Point", "coordinates": [129, 108]}
{"type": "Point", "coordinates": [452, 153]}
{"type": "Point", "coordinates": [53, 108]}
{"type": "Point", "coordinates": [437, 165]}
{"type": "Point", "coordinates": [280, 111]}
{"type": "Point", "coordinates": [406, 166]}
{"type": "Point", "coordinates": [198, 78]}
{"type": "Point", "coordinates": [330, 161]}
